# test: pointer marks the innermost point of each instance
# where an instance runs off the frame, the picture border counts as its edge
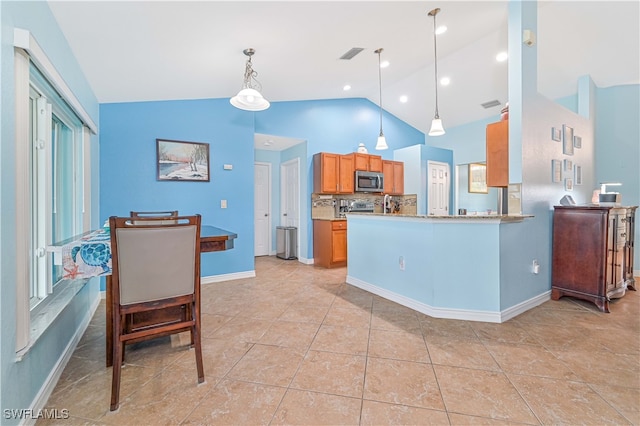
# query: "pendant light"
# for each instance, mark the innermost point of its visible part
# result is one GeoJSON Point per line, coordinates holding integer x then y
{"type": "Point", "coordinates": [250, 98]}
{"type": "Point", "coordinates": [382, 142]}
{"type": "Point", "coordinates": [436, 125]}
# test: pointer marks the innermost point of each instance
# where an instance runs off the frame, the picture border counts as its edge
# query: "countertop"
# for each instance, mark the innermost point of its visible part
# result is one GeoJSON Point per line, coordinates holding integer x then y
{"type": "Point", "coordinates": [474, 218]}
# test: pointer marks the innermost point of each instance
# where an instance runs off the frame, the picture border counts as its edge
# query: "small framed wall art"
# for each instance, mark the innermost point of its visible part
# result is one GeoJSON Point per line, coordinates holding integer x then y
{"type": "Point", "coordinates": [578, 175]}
{"type": "Point", "coordinates": [577, 142]}
{"type": "Point", "coordinates": [568, 184]}
{"type": "Point", "coordinates": [182, 161]}
{"type": "Point", "coordinates": [478, 178]}
{"type": "Point", "coordinates": [556, 171]}
{"type": "Point", "coordinates": [567, 140]}
{"type": "Point", "coordinates": [568, 165]}
{"type": "Point", "coordinates": [556, 134]}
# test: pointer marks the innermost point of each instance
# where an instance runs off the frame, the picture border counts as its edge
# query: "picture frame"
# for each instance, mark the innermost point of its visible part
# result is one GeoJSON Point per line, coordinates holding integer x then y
{"type": "Point", "coordinates": [478, 178]}
{"type": "Point", "coordinates": [568, 184]}
{"type": "Point", "coordinates": [578, 175]}
{"type": "Point", "coordinates": [567, 140]}
{"type": "Point", "coordinates": [556, 134]}
{"type": "Point", "coordinates": [568, 165]}
{"type": "Point", "coordinates": [556, 171]}
{"type": "Point", "coordinates": [577, 142]}
{"type": "Point", "coordinates": [182, 161]}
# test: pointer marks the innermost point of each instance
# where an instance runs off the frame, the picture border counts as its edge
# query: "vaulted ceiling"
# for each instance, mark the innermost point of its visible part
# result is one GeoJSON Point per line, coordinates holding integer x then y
{"type": "Point", "coordinates": [159, 50]}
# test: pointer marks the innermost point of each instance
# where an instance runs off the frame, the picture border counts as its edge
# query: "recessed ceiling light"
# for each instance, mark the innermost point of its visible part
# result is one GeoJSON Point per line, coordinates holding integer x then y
{"type": "Point", "coordinates": [441, 29]}
{"type": "Point", "coordinates": [267, 143]}
{"type": "Point", "coordinates": [502, 56]}
{"type": "Point", "coordinates": [404, 99]}
{"type": "Point", "coordinates": [445, 81]}
{"type": "Point", "coordinates": [384, 64]}
{"type": "Point", "coordinates": [346, 87]}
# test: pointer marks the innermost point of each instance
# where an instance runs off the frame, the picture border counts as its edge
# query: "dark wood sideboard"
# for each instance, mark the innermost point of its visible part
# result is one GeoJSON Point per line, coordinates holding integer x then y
{"type": "Point", "coordinates": [593, 249]}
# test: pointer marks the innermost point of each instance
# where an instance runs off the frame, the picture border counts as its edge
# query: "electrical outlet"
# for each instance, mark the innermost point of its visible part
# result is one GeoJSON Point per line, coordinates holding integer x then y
{"type": "Point", "coordinates": [223, 204]}
{"type": "Point", "coordinates": [535, 267]}
{"type": "Point", "coordinates": [401, 263]}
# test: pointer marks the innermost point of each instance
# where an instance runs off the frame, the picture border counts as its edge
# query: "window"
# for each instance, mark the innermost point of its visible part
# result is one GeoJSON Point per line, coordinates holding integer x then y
{"type": "Point", "coordinates": [52, 178]}
{"type": "Point", "coordinates": [55, 181]}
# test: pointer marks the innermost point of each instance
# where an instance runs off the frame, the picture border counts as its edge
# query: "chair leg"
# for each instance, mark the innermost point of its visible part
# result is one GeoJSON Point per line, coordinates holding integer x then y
{"type": "Point", "coordinates": [117, 370]}
{"type": "Point", "coordinates": [195, 336]}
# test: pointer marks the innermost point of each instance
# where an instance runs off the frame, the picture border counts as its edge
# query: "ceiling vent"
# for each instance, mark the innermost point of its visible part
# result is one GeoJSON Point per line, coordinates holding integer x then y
{"type": "Point", "coordinates": [490, 104]}
{"type": "Point", "coordinates": [351, 53]}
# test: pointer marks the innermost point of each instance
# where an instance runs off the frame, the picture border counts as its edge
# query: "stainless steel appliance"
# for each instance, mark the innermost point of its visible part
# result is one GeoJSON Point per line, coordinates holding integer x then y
{"type": "Point", "coordinates": [346, 206]}
{"type": "Point", "coordinates": [369, 181]}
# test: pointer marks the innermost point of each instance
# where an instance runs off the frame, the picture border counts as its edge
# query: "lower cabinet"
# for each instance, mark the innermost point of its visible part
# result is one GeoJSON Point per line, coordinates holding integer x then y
{"type": "Point", "coordinates": [330, 243]}
{"type": "Point", "coordinates": [591, 254]}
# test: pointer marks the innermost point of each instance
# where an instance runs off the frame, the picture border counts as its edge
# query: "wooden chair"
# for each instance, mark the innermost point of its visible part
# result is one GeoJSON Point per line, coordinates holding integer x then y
{"type": "Point", "coordinates": [156, 268]}
{"type": "Point", "coordinates": [164, 214]}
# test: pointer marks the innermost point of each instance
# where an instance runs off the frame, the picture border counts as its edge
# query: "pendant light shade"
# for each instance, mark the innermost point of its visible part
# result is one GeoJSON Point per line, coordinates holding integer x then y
{"type": "Point", "coordinates": [250, 98]}
{"type": "Point", "coordinates": [437, 128]}
{"type": "Point", "coordinates": [381, 144]}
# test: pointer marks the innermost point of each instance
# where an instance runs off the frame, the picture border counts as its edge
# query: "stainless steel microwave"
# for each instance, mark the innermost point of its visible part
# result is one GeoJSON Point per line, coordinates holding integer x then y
{"type": "Point", "coordinates": [369, 181]}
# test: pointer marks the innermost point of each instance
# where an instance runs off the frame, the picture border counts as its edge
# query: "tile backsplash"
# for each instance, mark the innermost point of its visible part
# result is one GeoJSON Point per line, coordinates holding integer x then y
{"type": "Point", "coordinates": [322, 206]}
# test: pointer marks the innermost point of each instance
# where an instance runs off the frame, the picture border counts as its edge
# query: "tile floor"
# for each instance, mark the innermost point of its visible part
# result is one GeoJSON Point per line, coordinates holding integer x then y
{"type": "Point", "coordinates": [297, 345]}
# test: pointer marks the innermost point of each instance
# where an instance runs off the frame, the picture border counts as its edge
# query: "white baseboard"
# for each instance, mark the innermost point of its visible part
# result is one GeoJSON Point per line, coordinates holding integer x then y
{"type": "Point", "coordinates": [50, 383]}
{"type": "Point", "coordinates": [449, 313]}
{"type": "Point", "coordinates": [227, 277]}
{"type": "Point", "coordinates": [306, 261]}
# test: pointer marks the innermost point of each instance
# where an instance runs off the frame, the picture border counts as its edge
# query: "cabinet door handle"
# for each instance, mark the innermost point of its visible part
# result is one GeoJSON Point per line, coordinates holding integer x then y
{"type": "Point", "coordinates": [624, 234]}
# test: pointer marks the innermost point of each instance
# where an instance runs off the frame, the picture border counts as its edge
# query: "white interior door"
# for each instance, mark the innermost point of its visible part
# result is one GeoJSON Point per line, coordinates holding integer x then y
{"type": "Point", "coordinates": [290, 195]}
{"type": "Point", "coordinates": [439, 187]}
{"type": "Point", "coordinates": [262, 209]}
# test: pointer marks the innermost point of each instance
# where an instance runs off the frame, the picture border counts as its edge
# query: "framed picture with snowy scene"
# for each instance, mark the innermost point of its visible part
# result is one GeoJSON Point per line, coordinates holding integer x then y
{"type": "Point", "coordinates": [182, 161]}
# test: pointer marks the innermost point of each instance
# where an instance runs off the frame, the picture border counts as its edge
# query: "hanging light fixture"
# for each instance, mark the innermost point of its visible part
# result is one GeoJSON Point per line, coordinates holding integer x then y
{"type": "Point", "coordinates": [250, 98]}
{"type": "Point", "coordinates": [382, 142]}
{"type": "Point", "coordinates": [436, 125]}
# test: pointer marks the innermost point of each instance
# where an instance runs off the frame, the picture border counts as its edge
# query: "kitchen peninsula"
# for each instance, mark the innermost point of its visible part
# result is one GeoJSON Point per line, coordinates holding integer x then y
{"type": "Point", "coordinates": [443, 266]}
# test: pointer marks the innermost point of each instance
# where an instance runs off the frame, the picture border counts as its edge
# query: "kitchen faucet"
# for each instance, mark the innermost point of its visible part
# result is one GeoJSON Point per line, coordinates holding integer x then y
{"type": "Point", "coordinates": [387, 197]}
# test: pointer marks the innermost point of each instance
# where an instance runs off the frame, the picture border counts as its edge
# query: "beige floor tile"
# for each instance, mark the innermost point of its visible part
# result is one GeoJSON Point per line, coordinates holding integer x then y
{"type": "Point", "coordinates": [398, 319]}
{"type": "Point", "coordinates": [311, 408]}
{"type": "Point", "coordinates": [402, 382]}
{"type": "Point", "coordinates": [603, 368]}
{"type": "Point", "coordinates": [242, 329]}
{"type": "Point", "coordinates": [464, 420]}
{"type": "Point", "coordinates": [445, 327]}
{"type": "Point", "coordinates": [408, 346]}
{"type": "Point", "coordinates": [218, 356]}
{"type": "Point", "coordinates": [565, 402]}
{"type": "Point", "coordinates": [305, 313]}
{"type": "Point", "coordinates": [482, 393]}
{"type": "Point", "coordinates": [212, 322]}
{"type": "Point", "coordinates": [346, 340]}
{"type": "Point", "coordinates": [327, 372]}
{"type": "Point", "coordinates": [237, 403]}
{"type": "Point", "coordinates": [290, 334]}
{"type": "Point", "coordinates": [380, 413]}
{"type": "Point", "coordinates": [509, 332]}
{"type": "Point", "coordinates": [625, 400]}
{"type": "Point", "coordinates": [348, 317]}
{"type": "Point", "coordinates": [468, 353]}
{"type": "Point", "coordinates": [530, 360]}
{"type": "Point", "coordinates": [269, 365]}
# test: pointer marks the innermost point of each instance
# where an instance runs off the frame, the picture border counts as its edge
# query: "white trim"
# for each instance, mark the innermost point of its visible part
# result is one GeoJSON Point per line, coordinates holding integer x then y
{"type": "Point", "coordinates": [296, 162]}
{"type": "Point", "coordinates": [227, 277]}
{"type": "Point", "coordinates": [450, 313]}
{"type": "Point", "coordinates": [49, 384]}
{"type": "Point", "coordinates": [306, 261]}
{"type": "Point", "coordinates": [23, 39]}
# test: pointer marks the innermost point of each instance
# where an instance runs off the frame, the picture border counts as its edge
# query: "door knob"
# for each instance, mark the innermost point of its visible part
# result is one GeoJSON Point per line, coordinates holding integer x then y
{"type": "Point", "coordinates": [284, 214]}
{"type": "Point", "coordinates": [265, 215]}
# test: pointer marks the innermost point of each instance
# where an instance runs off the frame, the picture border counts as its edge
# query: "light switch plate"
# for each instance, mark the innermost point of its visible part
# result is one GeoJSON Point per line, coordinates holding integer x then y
{"type": "Point", "coordinates": [228, 167]}
{"type": "Point", "coordinates": [223, 204]}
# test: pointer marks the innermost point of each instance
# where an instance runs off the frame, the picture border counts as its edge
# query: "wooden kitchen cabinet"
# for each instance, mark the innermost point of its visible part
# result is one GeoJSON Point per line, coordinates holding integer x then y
{"type": "Point", "coordinates": [498, 154]}
{"type": "Point", "coordinates": [367, 162]}
{"type": "Point", "coordinates": [393, 177]}
{"type": "Point", "coordinates": [590, 244]}
{"type": "Point", "coordinates": [333, 173]}
{"type": "Point", "coordinates": [330, 243]}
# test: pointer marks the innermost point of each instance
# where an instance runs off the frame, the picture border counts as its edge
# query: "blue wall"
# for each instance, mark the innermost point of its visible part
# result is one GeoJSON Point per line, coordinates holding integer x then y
{"type": "Point", "coordinates": [128, 169]}
{"type": "Point", "coordinates": [24, 383]}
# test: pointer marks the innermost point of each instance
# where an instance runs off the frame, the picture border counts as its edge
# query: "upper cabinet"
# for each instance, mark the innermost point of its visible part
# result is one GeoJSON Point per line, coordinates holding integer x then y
{"type": "Point", "coordinates": [393, 177]}
{"type": "Point", "coordinates": [333, 173]}
{"type": "Point", "coordinates": [367, 162]}
{"type": "Point", "coordinates": [498, 154]}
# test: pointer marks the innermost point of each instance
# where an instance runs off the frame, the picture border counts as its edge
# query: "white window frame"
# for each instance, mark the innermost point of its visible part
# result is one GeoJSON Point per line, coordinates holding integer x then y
{"type": "Point", "coordinates": [26, 50]}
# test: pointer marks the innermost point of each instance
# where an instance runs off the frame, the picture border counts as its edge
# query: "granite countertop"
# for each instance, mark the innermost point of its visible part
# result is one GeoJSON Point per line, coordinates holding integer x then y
{"type": "Point", "coordinates": [502, 218]}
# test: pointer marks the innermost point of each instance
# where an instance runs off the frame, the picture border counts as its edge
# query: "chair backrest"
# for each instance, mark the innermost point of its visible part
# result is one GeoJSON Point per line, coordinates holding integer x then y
{"type": "Point", "coordinates": [154, 260]}
{"type": "Point", "coordinates": [164, 214]}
